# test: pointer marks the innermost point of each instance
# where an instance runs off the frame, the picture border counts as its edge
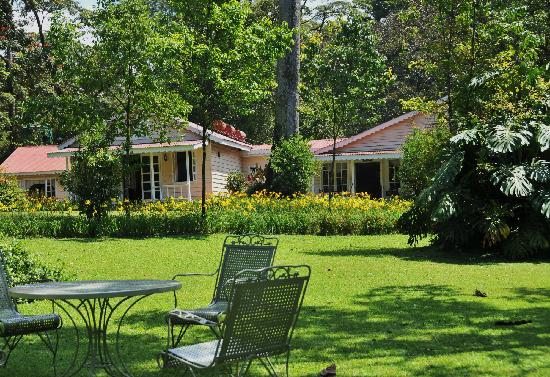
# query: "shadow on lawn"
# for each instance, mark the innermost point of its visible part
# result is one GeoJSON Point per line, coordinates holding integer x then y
{"type": "Point", "coordinates": [397, 325]}
{"type": "Point", "coordinates": [390, 326]}
{"type": "Point", "coordinates": [425, 253]}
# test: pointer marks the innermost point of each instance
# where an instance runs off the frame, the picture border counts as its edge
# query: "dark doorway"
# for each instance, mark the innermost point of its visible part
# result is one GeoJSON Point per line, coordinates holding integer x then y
{"type": "Point", "coordinates": [367, 178]}
{"type": "Point", "coordinates": [134, 189]}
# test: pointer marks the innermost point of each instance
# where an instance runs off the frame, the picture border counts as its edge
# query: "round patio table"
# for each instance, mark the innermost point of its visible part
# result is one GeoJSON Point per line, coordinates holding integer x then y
{"type": "Point", "coordinates": [95, 301]}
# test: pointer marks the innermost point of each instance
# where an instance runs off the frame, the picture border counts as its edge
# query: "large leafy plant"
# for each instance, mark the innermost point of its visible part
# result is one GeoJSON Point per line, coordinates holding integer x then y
{"type": "Point", "coordinates": [493, 193]}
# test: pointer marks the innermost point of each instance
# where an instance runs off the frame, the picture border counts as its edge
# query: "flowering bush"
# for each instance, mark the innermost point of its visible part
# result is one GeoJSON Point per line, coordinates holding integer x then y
{"type": "Point", "coordinates": [262, 212]}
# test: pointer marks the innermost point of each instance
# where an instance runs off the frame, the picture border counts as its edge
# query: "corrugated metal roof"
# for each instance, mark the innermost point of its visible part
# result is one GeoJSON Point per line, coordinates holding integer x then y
{"type": "Point", "coordinates": [32, 160]}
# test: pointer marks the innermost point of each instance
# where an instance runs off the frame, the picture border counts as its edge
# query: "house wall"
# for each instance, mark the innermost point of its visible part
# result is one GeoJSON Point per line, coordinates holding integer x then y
{"type": "Point", "coordinates": [389, 139]}
{"type": "Point", "coordinates": [384, 177]}
{"type": "Point", "coordinates": [168, 176]}
{"type": "Point", "coordinates": [25, 182]}
{"type": "Point", "coordinates": [317, 183]}
{"type": "Point", "coordinates": [223, 161]}
{"type": "Point", "coordinates": [253, 161]}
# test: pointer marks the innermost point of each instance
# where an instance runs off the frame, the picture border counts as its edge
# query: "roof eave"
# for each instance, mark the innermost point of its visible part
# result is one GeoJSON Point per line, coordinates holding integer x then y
{"type": "Point", "coordinates": [137, 150]}
{"type": "Point", "coordinates": [374, 156]}
{"type": "Point", "coordinates": [46, 172]}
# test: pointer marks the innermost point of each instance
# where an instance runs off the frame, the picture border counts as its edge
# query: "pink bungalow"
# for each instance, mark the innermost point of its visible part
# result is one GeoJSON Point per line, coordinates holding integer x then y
{"type": "Point", "coordinates": [366, 162]}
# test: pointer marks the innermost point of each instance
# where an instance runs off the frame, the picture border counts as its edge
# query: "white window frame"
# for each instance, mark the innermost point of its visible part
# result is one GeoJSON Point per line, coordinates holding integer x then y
{"type": "Point", "coordinates": [50, 187]}
{"type": "Point", "coordinates": [393, 168]}
{"type": "Point", "coordinates": [341, 183]}
{"type": "Point", "coordinates": [193, 173]}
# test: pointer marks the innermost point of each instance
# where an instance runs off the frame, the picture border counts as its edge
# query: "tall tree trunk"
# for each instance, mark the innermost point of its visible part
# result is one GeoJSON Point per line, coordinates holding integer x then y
{"type": "Point", "coordinates": [449, 37]}
{"type": "Point", "coordinates": [288, 76]}
{"type": "Point", "coordinates": [9, 27]}
{"type": "Point", "coordinates": [127, 150]}
{"type": "Point", "coordinates": [334, 136]}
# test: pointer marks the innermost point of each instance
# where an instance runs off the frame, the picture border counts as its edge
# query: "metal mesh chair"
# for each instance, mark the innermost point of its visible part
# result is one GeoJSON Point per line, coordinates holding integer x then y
{"type": "Point", "coordinates": [263, 310]}
{"type": "Point", "coordinates": [13, 325]}
{"type": "Point", "coordinates": [239, 252]}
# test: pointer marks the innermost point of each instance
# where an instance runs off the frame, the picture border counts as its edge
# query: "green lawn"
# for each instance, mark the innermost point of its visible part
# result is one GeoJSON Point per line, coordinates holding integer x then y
{"type": "Point", "coordinates": [374, 307]}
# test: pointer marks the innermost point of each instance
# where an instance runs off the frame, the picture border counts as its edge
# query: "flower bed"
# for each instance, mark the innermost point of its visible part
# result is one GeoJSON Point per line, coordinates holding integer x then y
{"type": "Point", "coordinates": [236, 213]}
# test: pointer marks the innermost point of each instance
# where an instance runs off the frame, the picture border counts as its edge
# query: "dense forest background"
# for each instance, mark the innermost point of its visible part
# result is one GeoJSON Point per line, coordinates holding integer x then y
{"type": "Point", "coordinates": [363, 62]}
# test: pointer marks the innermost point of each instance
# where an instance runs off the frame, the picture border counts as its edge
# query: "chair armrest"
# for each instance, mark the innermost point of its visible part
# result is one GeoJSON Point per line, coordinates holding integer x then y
{"type": "Point", "coordinates": [192, 274]}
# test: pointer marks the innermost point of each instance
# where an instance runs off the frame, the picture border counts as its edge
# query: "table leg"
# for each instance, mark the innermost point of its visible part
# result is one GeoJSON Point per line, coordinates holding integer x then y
{"type": "Point", "coordinates": [96, 315]}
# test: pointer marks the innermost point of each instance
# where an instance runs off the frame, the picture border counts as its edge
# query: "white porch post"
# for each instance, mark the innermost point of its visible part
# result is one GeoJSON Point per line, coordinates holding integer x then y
{"type": "Point", "coordinates": [152, 173]}
{"type": "Point", "coordinates": [382, 178]}
{"type": "Point", "coordinates": [352, 176]}
{"type": "Point", "coordinates": [188, 161]}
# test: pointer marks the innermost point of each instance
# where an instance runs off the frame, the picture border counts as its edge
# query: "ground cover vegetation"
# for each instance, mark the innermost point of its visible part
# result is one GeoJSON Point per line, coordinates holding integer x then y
{"type": "Point", "coordinates": [374, 305]}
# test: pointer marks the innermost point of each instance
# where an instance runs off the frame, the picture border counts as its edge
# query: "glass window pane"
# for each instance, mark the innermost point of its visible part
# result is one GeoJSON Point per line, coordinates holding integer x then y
{"type": "Point", "coordinates": [181, 168]}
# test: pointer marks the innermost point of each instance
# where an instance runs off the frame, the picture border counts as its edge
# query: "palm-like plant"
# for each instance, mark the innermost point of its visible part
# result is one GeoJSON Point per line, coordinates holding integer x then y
{"type": "Point", "coordinates": [493, 192]}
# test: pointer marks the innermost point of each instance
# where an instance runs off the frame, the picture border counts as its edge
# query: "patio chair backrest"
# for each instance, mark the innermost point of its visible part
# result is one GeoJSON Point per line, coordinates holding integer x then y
{"type": "Point", "coordinates": [262, 312]}
{"type": "Point", "coordinates": [243, 252]}
{"type": "Point", "coordinates": [6, 302]}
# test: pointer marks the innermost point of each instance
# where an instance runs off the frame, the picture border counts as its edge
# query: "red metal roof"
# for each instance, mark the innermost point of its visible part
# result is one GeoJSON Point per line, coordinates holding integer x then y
{"type": "Point", "coordinates": [322, 143]}
{"type": "Point", "coordinates": [366, 153]}
{"type": "Point", "coordinates": [33, 160]}
{"type": "Point", "coordinates": [313, 144]}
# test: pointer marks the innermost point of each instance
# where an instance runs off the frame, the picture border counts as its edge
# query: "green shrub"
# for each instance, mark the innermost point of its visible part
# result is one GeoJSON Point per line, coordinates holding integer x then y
{"type": "Point", "coordinates": [94, 179]}
{"type": "Point", "coordinates": [293, 165]}
{"type": "Point", "coordinates": [236, 182]}
{"type": "Point", "coordinates": [423, 153]}
{"type": "Point", "coordinates": [262, 212]}
{"type": "Point", "coordinates": [10, 192]}
{"type": "Point", "coordinates": [22, 268]}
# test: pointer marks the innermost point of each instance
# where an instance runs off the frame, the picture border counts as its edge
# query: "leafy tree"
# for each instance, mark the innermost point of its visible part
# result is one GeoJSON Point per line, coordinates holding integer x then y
{"type": "Point", "coordinates": [424, 152]}
{"type": "Point", "coordinates": [494, 190]}
{"type": "Point", "coordinates": [293, 166]}
{"type": "Point", "coordinates": [405, 32]}
{"type": "Point", "coordinates": [94, 180]}
{"type": "Point", "coordinates": [345, 78]}
{"type": "Point", "coordinates": [121, 82]}
{"type": "Point", "coordinates": [26, 72]}
{"type": "Point", "coordinates": [230, 67]}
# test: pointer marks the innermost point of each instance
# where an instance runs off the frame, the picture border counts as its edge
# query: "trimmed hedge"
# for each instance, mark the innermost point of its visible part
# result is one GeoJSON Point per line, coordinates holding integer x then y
{"type": "Point", "coordinates": [67, 225]}
{"type": "Point", "coordinates": [262, 212]}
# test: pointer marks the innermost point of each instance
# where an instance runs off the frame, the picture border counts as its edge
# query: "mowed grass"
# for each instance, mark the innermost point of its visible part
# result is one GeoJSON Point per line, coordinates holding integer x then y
{"type": "Point", "coordinates": [375, 307]}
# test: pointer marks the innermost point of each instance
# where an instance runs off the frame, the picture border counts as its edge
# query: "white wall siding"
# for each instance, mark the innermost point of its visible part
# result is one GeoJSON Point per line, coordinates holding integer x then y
{"type": "Point", "coordinates": [389, 139]}
{"type": "Point", "coordinates": [224, 161]}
